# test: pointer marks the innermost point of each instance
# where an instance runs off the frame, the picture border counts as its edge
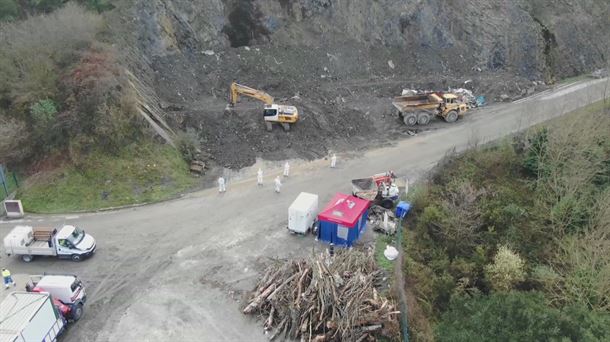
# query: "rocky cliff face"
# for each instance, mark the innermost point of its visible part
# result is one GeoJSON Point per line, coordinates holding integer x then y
{"type": "Point", "coordinates": [340, 61]}
{"type": "Point", "coordinates": [532, 38]}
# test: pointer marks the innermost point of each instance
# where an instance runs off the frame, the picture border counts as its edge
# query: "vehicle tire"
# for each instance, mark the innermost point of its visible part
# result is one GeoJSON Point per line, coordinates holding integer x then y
{"type": "Point", "coordinates": [410, 119]}
{"type": "Point", "coordinates": [452, 116]}
{"type": "Point", "coordinates": [423, 119]}
{"type": "Point", "coordinates": [387, 203]}
{"type": "Point", "coordinates": [77, 312]}
{"type": "Point", "coordinates": [27, 258]}
{"type": "Point", "coordinates": [77, 257]}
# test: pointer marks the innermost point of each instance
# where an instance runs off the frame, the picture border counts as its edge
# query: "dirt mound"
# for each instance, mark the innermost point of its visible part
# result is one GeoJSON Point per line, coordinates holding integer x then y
{"type": "Point", "coordinates": [341, 62]}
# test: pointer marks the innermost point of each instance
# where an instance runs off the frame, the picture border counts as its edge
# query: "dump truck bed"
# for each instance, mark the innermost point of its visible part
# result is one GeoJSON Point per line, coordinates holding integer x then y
{"type": "Point", "coordinates": [417, 102]}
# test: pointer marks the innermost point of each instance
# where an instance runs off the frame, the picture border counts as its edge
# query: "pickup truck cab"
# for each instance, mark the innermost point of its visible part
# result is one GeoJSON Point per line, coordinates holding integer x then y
{"type": "Point", "coordinates": [68, 242]}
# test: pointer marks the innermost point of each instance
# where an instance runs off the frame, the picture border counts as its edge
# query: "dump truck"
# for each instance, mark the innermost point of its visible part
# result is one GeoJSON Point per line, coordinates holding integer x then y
{"type": "Point", "coordinates": [421, 108]}
{"type": "Point", "coordinates": [67, 242]}
{"type": "Point", "coordinates": [284, 115]}
{"type": "Point", "coordinates": [30, 316]}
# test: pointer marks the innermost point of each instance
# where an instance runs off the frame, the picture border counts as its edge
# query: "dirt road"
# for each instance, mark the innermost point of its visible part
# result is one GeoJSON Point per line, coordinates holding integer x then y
{"type": "Point", "coordinates": [177, 270]}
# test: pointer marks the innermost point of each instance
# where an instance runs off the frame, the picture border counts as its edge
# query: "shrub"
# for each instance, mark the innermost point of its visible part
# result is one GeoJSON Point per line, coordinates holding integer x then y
{"type": "Point", "coordinates": [506, 270]}
{"type": "Point", "coordinates": [518, 316]}
{"type": "Point", "coordinates": [187, 144]}
{"type": "Point", "coordinates": [9, 10]}
{"type": "Point", "coordinates": [536, 152]}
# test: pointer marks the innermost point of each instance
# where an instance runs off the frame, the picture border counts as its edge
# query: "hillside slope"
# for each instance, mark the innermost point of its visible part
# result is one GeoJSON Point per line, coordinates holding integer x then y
{"type": "Point", "coordinates": [341, 61]}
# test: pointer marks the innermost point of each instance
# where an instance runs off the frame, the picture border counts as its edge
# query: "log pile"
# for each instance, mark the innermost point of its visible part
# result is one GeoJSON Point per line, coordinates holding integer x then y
{"type": "Point", "coordinates": [324, 298]}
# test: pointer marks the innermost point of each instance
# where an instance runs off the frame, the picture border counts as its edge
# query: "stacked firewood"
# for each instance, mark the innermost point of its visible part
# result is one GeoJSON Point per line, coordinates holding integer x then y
{"type": "Point", "coordinates": [324, 298]}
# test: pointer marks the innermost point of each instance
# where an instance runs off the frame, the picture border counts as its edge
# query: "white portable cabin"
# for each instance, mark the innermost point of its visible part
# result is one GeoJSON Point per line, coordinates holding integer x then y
{"type": "Point", "coordinates": [29, 316]}
{"type": "Point", "coordinates": [302, 213]}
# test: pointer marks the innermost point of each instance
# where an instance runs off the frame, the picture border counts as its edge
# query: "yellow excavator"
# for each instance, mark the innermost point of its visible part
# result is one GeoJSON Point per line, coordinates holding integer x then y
{"type": "Point", "coordinates": [272, 113]}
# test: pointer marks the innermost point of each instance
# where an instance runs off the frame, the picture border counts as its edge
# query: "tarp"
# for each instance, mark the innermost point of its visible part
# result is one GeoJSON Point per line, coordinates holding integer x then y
{"type": "Point", "coordinates": [344, 209]}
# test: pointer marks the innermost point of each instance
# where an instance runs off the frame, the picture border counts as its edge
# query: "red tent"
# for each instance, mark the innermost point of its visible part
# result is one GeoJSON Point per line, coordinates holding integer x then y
{"type": "Point", "coordinates": [344, 209]}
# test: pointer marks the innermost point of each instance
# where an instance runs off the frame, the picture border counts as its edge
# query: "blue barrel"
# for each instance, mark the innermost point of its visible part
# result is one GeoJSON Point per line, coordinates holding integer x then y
{"type": "Point", "coordinates": [402, 209]}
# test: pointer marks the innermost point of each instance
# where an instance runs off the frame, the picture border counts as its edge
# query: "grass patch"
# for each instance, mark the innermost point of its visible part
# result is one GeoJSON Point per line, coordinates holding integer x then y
{"type": "Point", "coordinates": [137, 174]}
{"type": "Point", "coordinates": [380, 244]}
{"type": "Point", "coordinates": [574, 79]}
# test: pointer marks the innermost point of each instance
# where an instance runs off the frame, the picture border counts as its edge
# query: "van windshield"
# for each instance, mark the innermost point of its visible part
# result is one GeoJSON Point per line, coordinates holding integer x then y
{"type": "Point", "coordinates": [77, 236]}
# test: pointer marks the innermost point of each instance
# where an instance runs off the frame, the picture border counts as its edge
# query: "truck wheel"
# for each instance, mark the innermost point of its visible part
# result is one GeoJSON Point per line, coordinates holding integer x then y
{"type": "Point", "coordinates": [452, 116]}
{"type": "Point", "coordinates": [27, 258]}
{"type": "Point", "coordinates": [77, 312]}
{"type": "Point", "coordinates": [76, 257]}
{"type": "Point", "coordinates": [410, 119]}
{"type": "Point", "coordinates": [423, 119]}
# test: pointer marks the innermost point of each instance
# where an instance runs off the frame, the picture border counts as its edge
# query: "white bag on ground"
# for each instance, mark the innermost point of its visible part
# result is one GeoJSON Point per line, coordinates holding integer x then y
{"type": "Point", "coordinates": [390, 253]}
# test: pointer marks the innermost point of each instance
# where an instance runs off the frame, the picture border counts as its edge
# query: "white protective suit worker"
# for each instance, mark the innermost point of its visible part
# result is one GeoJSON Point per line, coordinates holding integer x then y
{"type": "Point", "coordinates": [333, 161]}
{"type": "Point", "coordinates": [286, 169]}
{"type": "Point", "coordinates": [259, 177]}
{"type": "Point", "coordinates": [278, 184]}
{"type": "Point", "coordinates": [394, 191]}
{"type": "Point", "coordinates": [222, 187]}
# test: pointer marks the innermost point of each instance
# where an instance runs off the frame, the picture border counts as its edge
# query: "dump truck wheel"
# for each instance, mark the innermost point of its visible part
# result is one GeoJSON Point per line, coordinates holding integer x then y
{"type": "Point", "coordinates": [27, 258]}
{"type": "Point", "coordinates": [410, 120]}
{"type": "Point", "coordinates": [452, 116]}
{"type": "Point", "coordinates": [423, 119]}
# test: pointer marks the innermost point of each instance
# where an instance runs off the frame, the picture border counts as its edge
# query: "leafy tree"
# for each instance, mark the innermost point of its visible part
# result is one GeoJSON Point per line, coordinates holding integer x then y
{"type": "Point", "coordinates": [506, 270]}
{"type": "Point", "coordinates": [519, 316]}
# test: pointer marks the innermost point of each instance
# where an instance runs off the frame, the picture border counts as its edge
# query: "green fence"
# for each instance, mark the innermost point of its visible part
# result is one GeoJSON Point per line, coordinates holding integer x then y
{"type": "Point", "coordinates": [9, 182]}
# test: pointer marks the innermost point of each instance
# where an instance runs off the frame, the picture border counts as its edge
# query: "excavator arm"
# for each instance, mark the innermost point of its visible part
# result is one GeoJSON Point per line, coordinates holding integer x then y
{"type": "Point", "coordinates": [238, 89]}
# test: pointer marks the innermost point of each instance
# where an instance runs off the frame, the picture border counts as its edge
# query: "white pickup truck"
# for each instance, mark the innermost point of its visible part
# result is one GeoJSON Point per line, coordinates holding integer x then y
{"type": "Point", "coordinates": [67, 242]}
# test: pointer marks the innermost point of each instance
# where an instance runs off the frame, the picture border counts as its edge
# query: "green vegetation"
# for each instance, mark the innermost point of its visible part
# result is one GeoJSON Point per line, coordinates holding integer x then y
{"type": "Point", "coordinates": [519, 316]}
{"type": "Point", "coordinates": [530, 214]}
{"type": "Point", "coordinates": [138, 174]}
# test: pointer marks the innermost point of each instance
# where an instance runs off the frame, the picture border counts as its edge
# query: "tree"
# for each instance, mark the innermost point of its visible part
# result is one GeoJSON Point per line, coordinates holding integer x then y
{"type": "Point", "coordinates": [519, 316]}
{"type": "Point", "coordinates": [506, 270]}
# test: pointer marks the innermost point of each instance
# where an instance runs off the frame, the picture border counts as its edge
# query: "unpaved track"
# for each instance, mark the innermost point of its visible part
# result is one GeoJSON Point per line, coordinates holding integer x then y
{"type": "Point", "coordinates": [175, 271]}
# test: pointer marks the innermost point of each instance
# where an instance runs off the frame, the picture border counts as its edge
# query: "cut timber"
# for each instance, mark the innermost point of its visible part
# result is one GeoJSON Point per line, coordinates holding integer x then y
{"type": "Point", "coordinates": [324, 298]}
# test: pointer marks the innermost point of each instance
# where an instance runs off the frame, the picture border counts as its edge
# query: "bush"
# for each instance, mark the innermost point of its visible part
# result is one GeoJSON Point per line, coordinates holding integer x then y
{"type": "Point", "coordinates": [506, 270]}
{"type": "Point", "coordinates": [9, 10]}
{"type": "Point", "coordinates": [519, 316]}
{"type": "Point", "coordinates": [187, 144]}
{"type": "Point", "coordinates": [43, 118]}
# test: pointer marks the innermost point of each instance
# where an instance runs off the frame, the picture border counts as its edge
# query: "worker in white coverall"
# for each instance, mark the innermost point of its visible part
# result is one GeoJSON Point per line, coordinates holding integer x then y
{"type": "Point", "coordinates": [259, 177]}
{"type": "Point", "coordinates": [333, 161]}
{"type": "Point", "coordinates": [222, 187]}
{"type": "Point", "coordinates": [286, 169]}
{"type": "Point", "coordinates": [278, 184]}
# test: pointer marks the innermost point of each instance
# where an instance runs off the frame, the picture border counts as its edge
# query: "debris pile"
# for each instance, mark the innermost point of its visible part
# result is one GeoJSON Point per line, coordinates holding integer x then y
{"type": "Point", "coordinates": [382, 220]}
{"type": "Point", "coordinates": [325, 298]}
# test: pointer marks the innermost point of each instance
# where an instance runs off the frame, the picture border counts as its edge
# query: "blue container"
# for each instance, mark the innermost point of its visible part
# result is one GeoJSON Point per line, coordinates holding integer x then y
{"type": "Point", "coordinates": [402, 209]}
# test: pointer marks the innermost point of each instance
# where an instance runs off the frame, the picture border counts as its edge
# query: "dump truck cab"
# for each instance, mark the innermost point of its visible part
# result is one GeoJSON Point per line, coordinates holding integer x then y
{"type": "Point", "coordinates": [452, 108]}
